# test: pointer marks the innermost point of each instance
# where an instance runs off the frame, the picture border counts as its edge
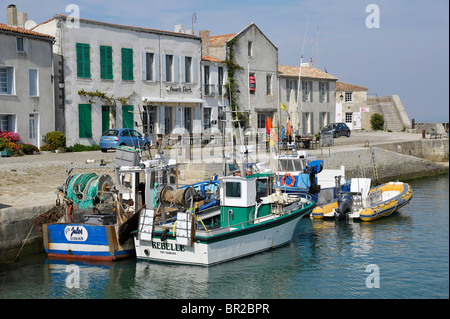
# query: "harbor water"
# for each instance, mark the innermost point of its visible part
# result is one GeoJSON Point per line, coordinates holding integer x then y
{"type": "Point", "coordinates": [403, 256]}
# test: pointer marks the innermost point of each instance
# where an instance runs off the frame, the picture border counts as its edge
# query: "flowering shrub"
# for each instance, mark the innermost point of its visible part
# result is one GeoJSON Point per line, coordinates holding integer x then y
{"type": "Point", "coordinates": [29, 148]}
{"type": "Point", "coordinates": [46, 147]}
{"type": "Point", "coordinates": [15, 149]}
{"type": "Point", "coordinates": [377, 122]}
{"type": "Point", "coordinates": [12, 137]}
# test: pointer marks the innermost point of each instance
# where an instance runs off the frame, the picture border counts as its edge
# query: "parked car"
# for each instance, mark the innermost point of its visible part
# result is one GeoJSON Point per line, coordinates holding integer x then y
{"type": "Point", "coordinates": [123, 136]}
{"type": "Point", "coordinates": [338, 129]}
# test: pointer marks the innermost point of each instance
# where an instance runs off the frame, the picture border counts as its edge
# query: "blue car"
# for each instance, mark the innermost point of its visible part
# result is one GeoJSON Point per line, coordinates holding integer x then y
{"type": "Point", "coordinates": [123, 136]}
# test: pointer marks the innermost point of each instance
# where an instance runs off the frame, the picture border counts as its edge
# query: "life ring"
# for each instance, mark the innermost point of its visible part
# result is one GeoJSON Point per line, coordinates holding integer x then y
{"type": "Point", "coordinates": [292, 178]}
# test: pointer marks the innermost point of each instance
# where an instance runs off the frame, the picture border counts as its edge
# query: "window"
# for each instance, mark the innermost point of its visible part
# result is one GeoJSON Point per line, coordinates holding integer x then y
{"type": "Point", "coordinates": [149, 66]}
{"type": "Point", "coordinates": [149, 119]}
{"type": "Point", "coordinates": [188, 69]}
{"type": "Point", "coordinates": [348, 96]}
{"type": "Point", "coordinates": [348, 117]}
{"type": "Point", "coordinates": [106, 62]}
{"type": "Point", "coordinates": [21, 45]}
{"type": "Point", "coordinates": [188, 119]}
{"type": "Point", "coordinates": [85, 120]}
{"type": "Point", "coordinates": [250, 48]}
{"type": "Point", "coordinates": [209, 88]}
{"type": "Point", "coordinates": [127, 64]}
{"type": "Point", "coordinates": [252, 83]}
{"type": "Point", "coordinates": [169, 68]}
{"type": "Point", "coordinates": [291, 85]}
{"type": "Point", "coordinates": [127, 116]}
{"type": "Point", "coordinates": [7, 80]}
{"type": "Point", "coordinates": [307, 92]}
{"type": "Point", "coordinates": [105, 117]}
{"type": "Point", "coordinates": [221, 89]}
{"type": "Point", "coordinates": [7, 123]}
{"type": "Point", "coordinates": [324, 88]}
{"type": "Point", "coordinates": [207, 118]}
{"type": "Point", "coordinates": [83, 60]}
{"type": "Point", "coordinates": [269, 84]}
{"type": "Point", "coordinates": [168, 120]}
{"type": "Point", "coordinates": [33, 82]}
{"type": "Point", "coordinates": [233, 189]}
{"type": "Point", "coordinates": [262, 117]}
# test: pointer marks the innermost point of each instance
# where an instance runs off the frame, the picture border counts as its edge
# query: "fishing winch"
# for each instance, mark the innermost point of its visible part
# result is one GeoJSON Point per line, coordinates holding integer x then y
{"type": "Point", "coordinates": [180, 197]}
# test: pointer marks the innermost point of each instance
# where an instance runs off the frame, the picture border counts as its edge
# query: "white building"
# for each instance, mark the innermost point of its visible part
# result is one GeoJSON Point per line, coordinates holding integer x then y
{"type": "Point", "coordinates": [311, 106]}
{"type": "Point", "coordinates": [26, 82]}
{"type": "Point", "coordinates": [111, 75]}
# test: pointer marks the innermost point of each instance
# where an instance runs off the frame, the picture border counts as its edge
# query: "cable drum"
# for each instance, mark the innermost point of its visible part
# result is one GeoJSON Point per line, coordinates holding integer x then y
{"type": "Point", "coordinates": [180, 197]}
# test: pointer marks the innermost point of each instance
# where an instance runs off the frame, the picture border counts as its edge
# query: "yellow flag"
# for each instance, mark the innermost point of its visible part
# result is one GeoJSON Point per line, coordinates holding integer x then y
{"type": "Point", "coordinates": [282, 106]}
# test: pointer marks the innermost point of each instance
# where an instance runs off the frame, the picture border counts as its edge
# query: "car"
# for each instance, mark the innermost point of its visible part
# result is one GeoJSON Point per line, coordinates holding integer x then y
{"type": "Point", "coordinates": [123, 136]}
{"type": "Point", "coordinates": [338, 129]}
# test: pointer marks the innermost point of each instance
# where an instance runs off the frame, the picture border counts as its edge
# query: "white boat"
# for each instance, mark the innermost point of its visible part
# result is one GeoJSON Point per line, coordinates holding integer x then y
{"type": "Point", "coordinates": [251, 218]}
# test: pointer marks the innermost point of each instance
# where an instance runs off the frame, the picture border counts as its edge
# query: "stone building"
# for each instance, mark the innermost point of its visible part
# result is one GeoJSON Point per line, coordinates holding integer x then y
{"type": "Point", "coordinates": [26, 81]}
{"type": "Point", "coordinates": [254, 62]}
{"type": "Point", "coordinates": [310, 105]}
{"type": "Point", "coordinates": [351, 106]}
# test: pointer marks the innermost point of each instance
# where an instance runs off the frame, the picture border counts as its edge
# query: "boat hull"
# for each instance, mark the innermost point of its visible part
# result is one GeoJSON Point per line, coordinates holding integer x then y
{"type": "Point", "coordinates": [85, 242]}
{"type": "Point", "coordinates": [231, 244]}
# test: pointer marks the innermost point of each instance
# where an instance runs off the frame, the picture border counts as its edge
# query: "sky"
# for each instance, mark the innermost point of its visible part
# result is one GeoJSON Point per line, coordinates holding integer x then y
{"type": "Point", "coordinates": [405, 51]}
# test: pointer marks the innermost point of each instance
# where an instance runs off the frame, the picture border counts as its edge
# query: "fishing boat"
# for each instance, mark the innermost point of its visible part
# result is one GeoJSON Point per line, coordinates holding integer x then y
{"type": "Point", "coordinates": [299, 172]}
{"type": "Point", "coordinates": [251, 218]}
{"type": "Point", "coordinates": [365, 203]}
{"type": "Point", "coordinates": [100, 202]}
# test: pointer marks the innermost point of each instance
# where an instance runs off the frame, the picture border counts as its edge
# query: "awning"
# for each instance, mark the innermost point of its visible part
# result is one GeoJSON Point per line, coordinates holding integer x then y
{"type": "Point", "coordinates": [169, 100]}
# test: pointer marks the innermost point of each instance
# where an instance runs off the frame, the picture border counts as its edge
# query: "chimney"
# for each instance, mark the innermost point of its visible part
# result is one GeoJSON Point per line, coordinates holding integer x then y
{"type": "Point", "coordinates": [22, 17]}
{"type": "Point", "coordinates": [204, 35]}
{"type": "Point", "coordinates": [11, 13]}
{"type": "Point", "coordinates": [179, 28]}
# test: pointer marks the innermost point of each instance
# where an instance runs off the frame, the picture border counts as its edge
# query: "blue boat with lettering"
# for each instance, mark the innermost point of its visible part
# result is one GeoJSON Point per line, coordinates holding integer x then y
{"type": "Point", "coordinates": [100, 209]}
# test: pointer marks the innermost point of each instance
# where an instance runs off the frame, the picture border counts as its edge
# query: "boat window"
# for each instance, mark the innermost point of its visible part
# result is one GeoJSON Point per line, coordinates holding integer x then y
{"type": "Point", "coordinates": [262, 189]}
{"type": "Point", "coordinates": [233, 189]}
{"type": "Point", "coordinates": [291, 165]}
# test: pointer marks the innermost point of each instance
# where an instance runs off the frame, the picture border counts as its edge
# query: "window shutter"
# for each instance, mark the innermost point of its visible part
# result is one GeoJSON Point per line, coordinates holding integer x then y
{"type": "Point", "coordinates": [183, 69]}
{"type": "Point", "coordinates": [195, 70]}
{"type": "Point", "coordinates": [106, 67]}
{"type": "Point", "coordinates": [127, 64]}
{"type": "Point", "coordinates": [105, 117]}
{"type": "Point", "coordinates": [163, 67]}
{"type": "Point", "coordinates": [144, 66]}
{"type": "Point", "coordinates": [310, 91]}
{"type": "Point", "coordinates": [127, 116]}
{"type": "Point", "coordinates": [83, 60]}
{"type": "Point", "coordinates": [84, 120]}
{"type": "Point", "coordinates": [157, 70]}
{"type": "Point", "coordinates": [175, 68]}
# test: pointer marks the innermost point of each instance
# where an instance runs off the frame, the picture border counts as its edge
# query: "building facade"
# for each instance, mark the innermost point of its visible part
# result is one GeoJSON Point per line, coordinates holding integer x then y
{"type": "Point", "coordinates": [114, 76]}
{"type": "Point", "coordinates": [255, 58]}
{"type": "Point", "coordinates": [351, 106]}
{"type": "Point", "coordinates": [310, 104]}
{"type": "Point", "coordinates": [26, 83]}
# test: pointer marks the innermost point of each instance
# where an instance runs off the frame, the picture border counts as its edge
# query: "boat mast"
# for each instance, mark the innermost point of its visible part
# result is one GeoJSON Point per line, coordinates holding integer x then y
{"type": "Point", "coordinates": [300, 97]}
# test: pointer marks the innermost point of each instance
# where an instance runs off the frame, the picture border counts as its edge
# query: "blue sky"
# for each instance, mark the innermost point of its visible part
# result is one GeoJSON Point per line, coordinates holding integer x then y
{"type": "Point", "coordinates": [407, 55]}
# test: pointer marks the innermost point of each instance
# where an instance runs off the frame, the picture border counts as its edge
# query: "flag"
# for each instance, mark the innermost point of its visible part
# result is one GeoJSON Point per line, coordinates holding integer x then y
{"type": "Point", "coordinates": [289, 128]}
{"type": "Point", "coordinates": [312, 61]}
{"type": "Point", "coordinates": [268, 125]}
{"type": "Point", "coordinates": [282, 106]}
{"type": "Point", "coordinates": [273, 135]}
{"type": "Point", "coordinates": [326, 70]}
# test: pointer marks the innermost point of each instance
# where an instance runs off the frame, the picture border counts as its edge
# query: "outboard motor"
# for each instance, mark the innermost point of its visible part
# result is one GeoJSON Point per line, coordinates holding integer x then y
{"type": "Point", "coordinates": [313, 168]}
{"type": "Point", "coordinates": [344, 206]}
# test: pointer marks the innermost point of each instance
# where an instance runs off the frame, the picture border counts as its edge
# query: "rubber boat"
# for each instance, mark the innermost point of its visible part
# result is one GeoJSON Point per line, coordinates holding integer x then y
{"type": "Point", "coordinates": [365, 203]}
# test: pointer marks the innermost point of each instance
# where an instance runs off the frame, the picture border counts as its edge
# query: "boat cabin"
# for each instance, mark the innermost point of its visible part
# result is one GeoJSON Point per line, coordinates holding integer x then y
{"type": "Point", "coordinates": [244, 198]}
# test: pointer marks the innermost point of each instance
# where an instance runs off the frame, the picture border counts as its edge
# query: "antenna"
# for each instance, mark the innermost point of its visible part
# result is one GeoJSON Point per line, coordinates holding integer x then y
{"type": "Point", "coordinates": [194, 20]}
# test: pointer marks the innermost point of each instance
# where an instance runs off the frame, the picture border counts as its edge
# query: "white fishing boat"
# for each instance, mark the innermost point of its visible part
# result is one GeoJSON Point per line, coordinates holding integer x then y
{"type": "Point", "coordinates": [251, 218]}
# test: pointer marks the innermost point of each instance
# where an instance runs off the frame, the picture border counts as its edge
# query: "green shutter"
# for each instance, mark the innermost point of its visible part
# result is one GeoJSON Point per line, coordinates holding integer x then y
{"type": "Point", "coordinates": [106, 65]}
{"type": "Point", "coordinates": [105, 117]}
{"type": "Point", "coordinates": [83, 60]}
{"type": "Point", "coordinates": [84, 120]}
{"type": "Point", "coordinates": [127, 116]}
{"type": "Point", "coordinates": [127, 64]}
